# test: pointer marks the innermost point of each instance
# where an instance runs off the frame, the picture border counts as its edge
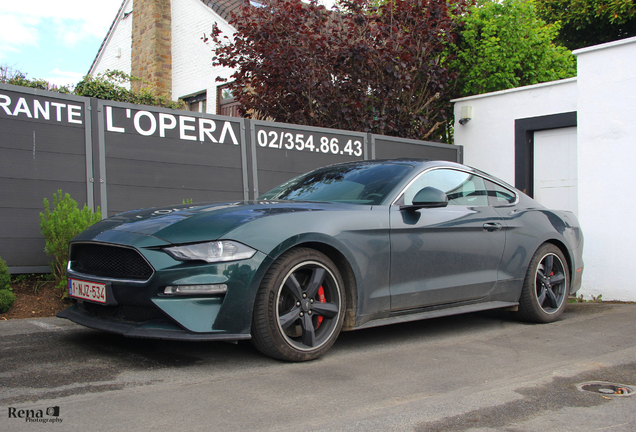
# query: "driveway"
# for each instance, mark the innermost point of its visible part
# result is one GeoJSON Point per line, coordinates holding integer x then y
{"type": "Point", "coordinates": [477, 372]}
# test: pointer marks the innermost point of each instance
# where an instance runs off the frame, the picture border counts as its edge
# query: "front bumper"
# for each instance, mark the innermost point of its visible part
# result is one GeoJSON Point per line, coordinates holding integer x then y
{"type": "Point", "coordinates": [139, 308]}
{"type": "Point", "coordinates": [149, 330]}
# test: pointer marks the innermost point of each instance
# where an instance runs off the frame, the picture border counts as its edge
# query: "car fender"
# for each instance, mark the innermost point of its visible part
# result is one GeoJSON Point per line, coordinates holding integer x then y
{"type": "Point", "coordinates": [361, 237]}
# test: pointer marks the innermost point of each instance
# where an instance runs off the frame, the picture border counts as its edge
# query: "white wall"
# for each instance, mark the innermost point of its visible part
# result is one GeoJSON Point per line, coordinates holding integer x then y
{"type": "Point", "coordinates": [116, 54]}
{"type": "Point", "coordinates": [604, 95]}
{"type": "Point", "coordinates": [192, 70]}
{"type": "Point", "coordinates": [489, 137]}
{"type": "Point", "coordinates": [607, 167]}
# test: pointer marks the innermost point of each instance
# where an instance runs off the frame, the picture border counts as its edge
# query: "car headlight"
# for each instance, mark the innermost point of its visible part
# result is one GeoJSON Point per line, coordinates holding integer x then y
{"type": "Point", "coordinates": [216, 251]}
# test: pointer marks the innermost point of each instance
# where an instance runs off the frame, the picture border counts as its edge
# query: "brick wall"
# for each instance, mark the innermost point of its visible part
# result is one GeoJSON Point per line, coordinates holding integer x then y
{"type": "Point", "coordinates": [152, 45]}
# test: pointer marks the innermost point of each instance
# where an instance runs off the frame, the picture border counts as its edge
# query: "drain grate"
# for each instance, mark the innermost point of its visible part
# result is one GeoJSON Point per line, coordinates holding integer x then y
{"type": "Point", "coordinates": [606, 388]}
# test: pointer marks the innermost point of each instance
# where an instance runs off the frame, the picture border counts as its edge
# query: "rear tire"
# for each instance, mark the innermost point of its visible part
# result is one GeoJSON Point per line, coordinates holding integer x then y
{"type": "Point", "coordinates": [546, 286]}
{"type": "Point", "coordinates": [299, 308]}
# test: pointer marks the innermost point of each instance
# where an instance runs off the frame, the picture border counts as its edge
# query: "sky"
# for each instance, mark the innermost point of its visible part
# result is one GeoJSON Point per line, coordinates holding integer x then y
{"type": "Point", "coordinates": [55, 40]}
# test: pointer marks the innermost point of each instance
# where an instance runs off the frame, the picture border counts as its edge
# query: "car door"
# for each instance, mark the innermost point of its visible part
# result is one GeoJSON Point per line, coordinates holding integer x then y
{"type": "Point", "coordinates": [444, 255]}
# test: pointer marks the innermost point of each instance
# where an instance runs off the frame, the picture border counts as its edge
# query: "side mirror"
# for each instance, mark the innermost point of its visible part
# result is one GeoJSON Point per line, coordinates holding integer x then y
{"type": "Point", "coordinates": [429, 197]}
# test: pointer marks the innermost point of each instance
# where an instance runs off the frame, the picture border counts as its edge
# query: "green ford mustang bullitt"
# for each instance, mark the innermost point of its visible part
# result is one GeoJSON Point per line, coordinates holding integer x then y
{"type": "Point", "coordinates": [348, 246]}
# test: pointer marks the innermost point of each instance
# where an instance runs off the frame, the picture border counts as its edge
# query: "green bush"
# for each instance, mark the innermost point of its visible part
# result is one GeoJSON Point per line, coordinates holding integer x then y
{"type": "Point", "coordinates": [60, 226]}
{"type": "Point", "coordinates": [10, 76]}
{"type": "Point", "coordinates": [5, 277]}
{"type": "Point", "coordinates": [7, 298]}
{"type": "Point", "coordinates": [110, 86]}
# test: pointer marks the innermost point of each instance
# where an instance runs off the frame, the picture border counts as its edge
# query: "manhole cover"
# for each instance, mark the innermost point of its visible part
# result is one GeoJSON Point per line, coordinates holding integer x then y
{"type": "Point", "coordinates": [606, 388]}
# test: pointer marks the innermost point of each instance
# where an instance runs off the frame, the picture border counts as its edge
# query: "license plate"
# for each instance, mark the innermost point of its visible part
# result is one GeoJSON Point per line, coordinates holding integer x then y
{"type": "Point", "coordinates": [92, 291]}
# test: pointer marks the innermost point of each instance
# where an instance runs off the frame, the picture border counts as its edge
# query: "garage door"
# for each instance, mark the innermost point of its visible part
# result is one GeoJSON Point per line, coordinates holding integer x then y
{"type": "Point", "coordinates": [555, 169]}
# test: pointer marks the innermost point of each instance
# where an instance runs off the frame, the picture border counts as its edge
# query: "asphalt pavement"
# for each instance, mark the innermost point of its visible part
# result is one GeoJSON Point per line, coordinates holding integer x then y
{"type": "Point", "coordinates": [477, 372]}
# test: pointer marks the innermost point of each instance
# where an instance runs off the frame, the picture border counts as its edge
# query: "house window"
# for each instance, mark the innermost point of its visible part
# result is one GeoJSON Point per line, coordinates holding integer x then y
{"type": "Point", "coordinates": [196, 103]}
{"type": "Point", "coordinates": [226, 103]}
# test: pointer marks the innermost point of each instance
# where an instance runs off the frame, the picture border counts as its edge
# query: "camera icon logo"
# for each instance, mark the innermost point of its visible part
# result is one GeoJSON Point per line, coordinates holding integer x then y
{"type": "Point", "coordinates": [53, 411]}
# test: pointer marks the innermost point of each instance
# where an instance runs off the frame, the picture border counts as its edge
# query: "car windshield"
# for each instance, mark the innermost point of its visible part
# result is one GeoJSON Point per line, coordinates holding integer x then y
{"type": "Point", "coordinates": [358, 183]}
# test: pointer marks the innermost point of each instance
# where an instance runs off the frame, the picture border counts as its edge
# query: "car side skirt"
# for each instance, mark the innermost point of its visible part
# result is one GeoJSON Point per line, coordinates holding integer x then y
{"type": "Point", "coordinates": [415, 316]}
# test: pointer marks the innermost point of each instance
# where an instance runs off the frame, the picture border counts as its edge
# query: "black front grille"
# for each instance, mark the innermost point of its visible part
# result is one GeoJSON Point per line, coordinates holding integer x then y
{"type": "Point", "coordinates": [123, 312]}
{"type": "Point", "coordinates": [113, 262]}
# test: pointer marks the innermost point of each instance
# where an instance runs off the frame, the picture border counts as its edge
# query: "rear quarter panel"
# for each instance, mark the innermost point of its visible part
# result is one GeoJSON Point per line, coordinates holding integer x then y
{"type": "Point", "coordinates": [528, 226]}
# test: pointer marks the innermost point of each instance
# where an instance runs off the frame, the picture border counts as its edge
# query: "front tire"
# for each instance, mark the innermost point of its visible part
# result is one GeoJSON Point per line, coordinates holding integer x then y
{"type": "Point", "coordinates": [299, 308]}
{"type": "Point", "coordinates": [546, 286]}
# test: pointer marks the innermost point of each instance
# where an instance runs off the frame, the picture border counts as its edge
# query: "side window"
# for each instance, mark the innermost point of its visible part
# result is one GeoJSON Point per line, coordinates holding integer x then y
{"type": "Point", "coordinates": [499, 195]}
{"type": "Point", "coordinates": [463, 189]}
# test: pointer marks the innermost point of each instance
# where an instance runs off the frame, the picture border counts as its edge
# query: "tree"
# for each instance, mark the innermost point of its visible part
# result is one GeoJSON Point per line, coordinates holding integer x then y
{"type": "Point", "coordinates": [590, 22]}
{"type": "Point", "coordinates": [504, 45]}
{"type": "Point", "coordinates": [382, 70]}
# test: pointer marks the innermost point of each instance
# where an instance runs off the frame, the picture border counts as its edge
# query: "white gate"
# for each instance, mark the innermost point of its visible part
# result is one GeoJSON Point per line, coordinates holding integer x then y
{"type": "Point", "coordinates": [555, 169]}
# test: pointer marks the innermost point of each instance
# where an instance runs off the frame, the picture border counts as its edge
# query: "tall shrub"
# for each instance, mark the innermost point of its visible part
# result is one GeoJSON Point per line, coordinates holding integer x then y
{"type": "Point", "coordinates": [5, 276]}
{"type": "Point", "coordinates": [59, 226]}
{"type": "Point", "coordinates": [7, 298]}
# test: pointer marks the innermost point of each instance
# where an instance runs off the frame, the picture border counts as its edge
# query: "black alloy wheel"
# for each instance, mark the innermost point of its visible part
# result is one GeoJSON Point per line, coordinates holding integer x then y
{"type": "Point", "coordinates": [546, 286]}
{"type": "Point", "coordinates": [299, 308]}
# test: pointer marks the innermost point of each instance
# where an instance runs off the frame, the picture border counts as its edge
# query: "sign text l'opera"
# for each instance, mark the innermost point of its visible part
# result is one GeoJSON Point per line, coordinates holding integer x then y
{"type": "Point", "coordinates": [161, 124]}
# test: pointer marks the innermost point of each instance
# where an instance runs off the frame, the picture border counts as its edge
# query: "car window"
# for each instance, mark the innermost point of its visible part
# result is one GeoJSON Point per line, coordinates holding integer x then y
{"type": "Point", "coordinates": [499, 195]}
{"type": "Point", "coordinates": [357, 183]}
{"type": "Point", "coordinates": [462, 188]}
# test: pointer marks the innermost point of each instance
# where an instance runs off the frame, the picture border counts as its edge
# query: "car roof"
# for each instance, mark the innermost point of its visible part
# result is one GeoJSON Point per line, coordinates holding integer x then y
{"type": "Point", "coordinates": [420, 164]}
{"type": "Point", "coordinates": [414, 162]}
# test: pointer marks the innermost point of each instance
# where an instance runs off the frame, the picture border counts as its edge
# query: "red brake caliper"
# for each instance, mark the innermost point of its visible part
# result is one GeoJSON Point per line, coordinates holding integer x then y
{"type": "Point", "coordinates": [321, 299]}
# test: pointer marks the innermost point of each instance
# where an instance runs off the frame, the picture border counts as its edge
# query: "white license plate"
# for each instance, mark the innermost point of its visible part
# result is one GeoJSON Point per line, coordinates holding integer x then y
{"type": "Point", "coordinates": [92, 291]}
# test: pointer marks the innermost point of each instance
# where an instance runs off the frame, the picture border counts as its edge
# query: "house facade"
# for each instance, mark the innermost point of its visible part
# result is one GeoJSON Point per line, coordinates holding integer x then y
{"type": "Point", "coordinates": [161, 42]}
{"type": "Point", "coordinates": [569, 144]}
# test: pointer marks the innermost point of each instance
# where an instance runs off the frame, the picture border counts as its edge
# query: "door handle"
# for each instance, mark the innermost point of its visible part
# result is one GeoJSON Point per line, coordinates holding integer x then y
{"type": "Point", "coordinates": [492, 226]}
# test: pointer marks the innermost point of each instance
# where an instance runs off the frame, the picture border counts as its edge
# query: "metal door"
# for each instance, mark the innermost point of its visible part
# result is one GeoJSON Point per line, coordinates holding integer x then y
{"type": "Point", "coordinates": [555, 169]}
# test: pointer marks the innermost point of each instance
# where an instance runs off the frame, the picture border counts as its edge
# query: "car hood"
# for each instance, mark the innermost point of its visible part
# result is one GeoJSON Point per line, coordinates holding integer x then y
{"type": "Point", "coordinates": [200, 222]}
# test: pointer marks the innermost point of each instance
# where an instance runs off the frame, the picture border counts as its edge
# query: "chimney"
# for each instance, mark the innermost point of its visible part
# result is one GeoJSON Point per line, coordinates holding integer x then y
{"type": "Point", "coordinates": [152, 46]}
